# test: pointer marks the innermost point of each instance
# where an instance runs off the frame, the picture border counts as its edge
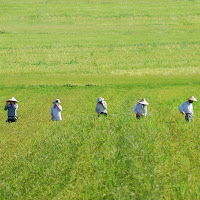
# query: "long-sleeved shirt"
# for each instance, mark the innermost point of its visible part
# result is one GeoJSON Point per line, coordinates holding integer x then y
{"type": "Point", "coordinates": [186, 107]}
{"type": "Point", "coordinates": [101, 108]}
{"type": "Point", "coordinates": [56, 112]}
{"type": "Point", "coordinates": [12, 111]}
{"type": "Point", "coordinates": [140, 109]}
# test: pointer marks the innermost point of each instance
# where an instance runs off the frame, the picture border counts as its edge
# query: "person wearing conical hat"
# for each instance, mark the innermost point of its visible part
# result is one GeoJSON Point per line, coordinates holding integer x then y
{"type": "Point", "coordinates": [140, 108]}
{"type": "Point", "coordinates": [101, 107]}
{"type": "Point", "coordinates": [187, 109]}
{"type": "Point", "coordinates": [12, 107]}
{"type": "Point", "coordinates": [56, 110]}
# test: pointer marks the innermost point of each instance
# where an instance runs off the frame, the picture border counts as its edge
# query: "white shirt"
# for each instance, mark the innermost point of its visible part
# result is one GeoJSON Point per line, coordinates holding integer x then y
{"type": "Point", "coordinates": [56, 112]}
{"type": "Point", "coordinates": [101, 108]}
{"type": "Point", "coordinates": [186, 107]}
{"type": "Point", "coordinates": [140, 109]}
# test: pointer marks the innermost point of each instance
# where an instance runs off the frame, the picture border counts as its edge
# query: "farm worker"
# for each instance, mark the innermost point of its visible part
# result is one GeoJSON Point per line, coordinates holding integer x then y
{"type": "Point", "coordinates": [56, 110]}
{"type": "Point", "coordinates": [140, 108]}
{"type": "Point", "coordinates": [187, 109]}
{"type": "Point", "coordinates": [101, 107]}
{"type": "Point", "coordinates": [12, 107]}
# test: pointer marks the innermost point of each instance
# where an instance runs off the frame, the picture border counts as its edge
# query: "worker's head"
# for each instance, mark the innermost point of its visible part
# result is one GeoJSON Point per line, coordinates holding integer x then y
{"type": "Point", "coordinates": [99, 100]}
{"type": "Point", "coordinates": [191, 99]}
{"type": "Point", "coordinates": [13, 100]}
{"type": "Point", "coordinates": [56, 101]}
{"type": "Point", "coordinates": [143, 102]}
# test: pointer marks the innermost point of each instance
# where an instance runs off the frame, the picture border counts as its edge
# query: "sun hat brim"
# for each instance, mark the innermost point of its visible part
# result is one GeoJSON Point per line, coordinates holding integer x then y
{"type": "Point", "coordinates": [100, 99]}
{"type": "Point", "coordinates": [143, 101]}
{"type": "Point", "coordinates": [58, 101]}
{"type": "Point", "coordinates": [12, 99]}
{"type": "Point", "coordinates": [192, 99]}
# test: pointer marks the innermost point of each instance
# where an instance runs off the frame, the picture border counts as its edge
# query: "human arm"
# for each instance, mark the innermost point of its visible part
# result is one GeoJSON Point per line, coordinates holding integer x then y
{"type": "Point", "coordinates": [104, 104]}
{"type": "Point", "coordinates": [181, 109]}
{"type": "Point", "coordinates": [6, 106]}
{"type": "Point", "coordinates": [59, 107]}
{"type": "Point", "coordinates": [97, 109]}
{"type": "Point", "coordinates": [145, 110]}
{"type": "Point", "coordinates": [135, 109]}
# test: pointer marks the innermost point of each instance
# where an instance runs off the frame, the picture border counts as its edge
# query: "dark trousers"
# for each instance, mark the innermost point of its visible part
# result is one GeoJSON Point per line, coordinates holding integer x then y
{"type": "Point", "coordinates": [139, 116]}
{"type": "Point", "coordinates": [104, 114]}
{"type": "Point", "coordinates": [188, 117]}
{"type": "Point", "coordinates": [10, 120]}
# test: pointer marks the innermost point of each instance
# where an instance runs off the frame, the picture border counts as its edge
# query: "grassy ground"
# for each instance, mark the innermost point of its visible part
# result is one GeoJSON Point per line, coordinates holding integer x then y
{"type": "Point", "coordinates": [77, 51]}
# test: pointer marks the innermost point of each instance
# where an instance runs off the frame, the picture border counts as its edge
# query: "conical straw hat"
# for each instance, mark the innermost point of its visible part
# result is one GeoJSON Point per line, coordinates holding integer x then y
{"type": "Point", "coordinates": [57, 100]}
{"type": "Point", "coordinates": [143, 101]}
{"type": "Point", "coordinates": [192, 99]}
{"type": "Point", "coordinates": [100, 99]}
{"type": "Point", "coordinates": [13, 99]}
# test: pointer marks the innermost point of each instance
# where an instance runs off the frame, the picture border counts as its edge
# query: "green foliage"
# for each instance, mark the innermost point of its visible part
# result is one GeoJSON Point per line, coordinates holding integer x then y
{"type": "Point", "coordinates": [77, 51]}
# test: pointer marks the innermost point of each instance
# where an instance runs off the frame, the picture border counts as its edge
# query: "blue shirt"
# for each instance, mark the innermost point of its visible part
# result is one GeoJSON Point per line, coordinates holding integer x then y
{"type": "Point", "coordinates": [186, 107]}
{"type": "Point", "coordinates": [12, 111]}
{"type": "Point", "coordinates": [56, 112]}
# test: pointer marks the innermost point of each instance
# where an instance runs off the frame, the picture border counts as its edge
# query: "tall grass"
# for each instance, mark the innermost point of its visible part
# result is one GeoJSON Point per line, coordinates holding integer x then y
{"type": "Point", "coordinates": [89, 157]}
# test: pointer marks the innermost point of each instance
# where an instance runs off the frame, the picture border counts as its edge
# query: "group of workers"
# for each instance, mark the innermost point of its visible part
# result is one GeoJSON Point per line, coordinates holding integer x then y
{"type": "Point", "coordinates": [140, 109]}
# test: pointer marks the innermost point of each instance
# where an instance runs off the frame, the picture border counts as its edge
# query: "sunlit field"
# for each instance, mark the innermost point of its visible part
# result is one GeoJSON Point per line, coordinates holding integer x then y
{"type": "Point", "coordinates": [78, 51]}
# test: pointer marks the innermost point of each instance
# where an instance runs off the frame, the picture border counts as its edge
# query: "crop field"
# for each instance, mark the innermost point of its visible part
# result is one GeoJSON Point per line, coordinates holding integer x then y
{"type": "Point", "coordinates": [77, 51]}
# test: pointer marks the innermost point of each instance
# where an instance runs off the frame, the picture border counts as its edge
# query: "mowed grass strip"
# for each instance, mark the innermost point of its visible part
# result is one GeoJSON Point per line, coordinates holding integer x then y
{"type": "Point", "coordinates": [165, 59]}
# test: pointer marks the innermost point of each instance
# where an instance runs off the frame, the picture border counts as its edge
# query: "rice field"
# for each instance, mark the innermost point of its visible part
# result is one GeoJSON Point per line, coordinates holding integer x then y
{"type": "Point", "coordinates": [78, 51]}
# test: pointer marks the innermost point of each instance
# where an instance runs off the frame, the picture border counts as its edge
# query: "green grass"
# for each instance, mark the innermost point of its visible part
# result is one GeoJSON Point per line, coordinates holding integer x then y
{"type": "Point", "coordinates": [77, 51]}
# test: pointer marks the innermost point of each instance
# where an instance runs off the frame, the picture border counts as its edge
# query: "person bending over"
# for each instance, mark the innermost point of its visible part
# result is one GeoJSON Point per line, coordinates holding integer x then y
{"type": "Point", "coordinates": [101, 107]}
{"type": "Point", "coordinates": [140, 108]}
{"type": "Point", "coordinates": [187, 109]}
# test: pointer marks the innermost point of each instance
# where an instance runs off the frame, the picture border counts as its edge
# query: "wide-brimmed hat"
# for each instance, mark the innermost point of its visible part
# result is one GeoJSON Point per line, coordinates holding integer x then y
{"type": "Point", "coordinates": [100, 99]}
{"type": "Point", "coordinates": [57, 101]}
{"type": "Point", "coordinates": [143, 101]}
{"type": "Point", "coordinates": [192, 99]}
{"type": "Point", "coordinates": [13, 99]}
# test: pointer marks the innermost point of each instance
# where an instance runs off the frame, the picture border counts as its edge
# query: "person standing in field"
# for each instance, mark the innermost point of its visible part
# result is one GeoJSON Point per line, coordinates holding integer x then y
{"type": "Point", "coordinates": [140, 108]}
{"type": "Point", "coordinates": [187, 109]}
{"type": "Point", "coordinates": [56, 110]}
{"type": "Point", "coordinates": [101, 107]}
{"type": "Point", "coordinates": [12, 107]}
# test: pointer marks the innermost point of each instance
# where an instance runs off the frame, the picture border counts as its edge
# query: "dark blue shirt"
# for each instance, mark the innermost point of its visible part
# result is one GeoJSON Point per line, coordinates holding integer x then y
{"type": "Point", "coordinates": [12, 111]}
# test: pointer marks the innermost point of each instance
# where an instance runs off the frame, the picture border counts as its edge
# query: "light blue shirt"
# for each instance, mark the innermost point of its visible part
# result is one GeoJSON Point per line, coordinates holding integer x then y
{"type": "Point", "coordinates": [140, 109]}
{"type": "Point", "coordinates": [101, 108]}
{"type": "Point", "coordinates": [186, 107]}
{"type": "Point", "coordinates": [56, 112]}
